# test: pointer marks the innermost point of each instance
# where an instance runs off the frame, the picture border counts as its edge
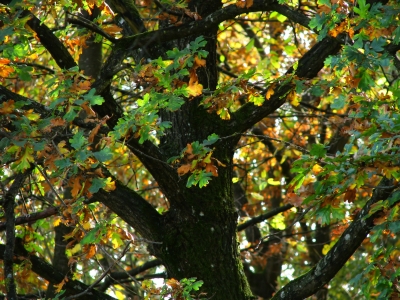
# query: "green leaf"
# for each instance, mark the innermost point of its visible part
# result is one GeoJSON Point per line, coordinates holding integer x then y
{"type": "Point", "coordinates": [204, 178]}
{"type": "Point", "coordinates": [92, 98]}
{"type": "Point", "coordinates": [318, 150]}
{"type": "Point", "coordinates": [97, 184]}
{"type": "Point", "coordinates": [90, 237]}
{"type": "Point", "coordinates": [211, 139]}
{"type": "Point", "coordinates": [78, 140]}
{"type": "Point", "coordinates": [394, 227]}
{"type": "Point", "coordinates": [103, 155]}
{"type": "Point", "coordinates": [339, 102]}
{"type": "Point", "coordinates": [250, 45]}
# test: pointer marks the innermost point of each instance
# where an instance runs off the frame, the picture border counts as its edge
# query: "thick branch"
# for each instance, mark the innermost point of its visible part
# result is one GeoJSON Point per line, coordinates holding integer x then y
{"type": "Point", "coordinates": [46, 271]}
{"type": "Point", "coordinates": [348, 243]}
{"type": "Point", "coordinates": [157, 37]}
{"type": "Point", "coordinates": [47, 38]}
{"type": "Point", "coordinates": [134, 210]}
{"type": "Point", "coordinates": [309, 66]}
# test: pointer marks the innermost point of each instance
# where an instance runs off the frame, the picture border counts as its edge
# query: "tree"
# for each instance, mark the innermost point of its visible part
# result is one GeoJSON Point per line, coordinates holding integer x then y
{"type": "Point", "coordinates": [235, 148]}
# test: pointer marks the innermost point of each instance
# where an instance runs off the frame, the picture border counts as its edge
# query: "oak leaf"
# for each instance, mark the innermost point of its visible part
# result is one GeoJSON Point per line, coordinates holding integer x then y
{"type": "Point", "coordinates": [7, 107]}
{"type": "Point", "coordinates": [293, 199]}
{"type": "Point", "coordinates": [212, 169]}
{"type": "Point", "coordinates": [182, 170]}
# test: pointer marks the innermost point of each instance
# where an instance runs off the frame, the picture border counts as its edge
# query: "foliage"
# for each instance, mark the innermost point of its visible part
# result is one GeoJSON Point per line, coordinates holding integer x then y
{"type": "Point", "coordinates": [134, 133]}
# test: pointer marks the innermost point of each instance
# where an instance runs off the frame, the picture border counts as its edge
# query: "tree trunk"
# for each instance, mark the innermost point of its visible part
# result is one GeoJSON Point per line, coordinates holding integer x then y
{"type": "Point", "coordinates": [200, 241]}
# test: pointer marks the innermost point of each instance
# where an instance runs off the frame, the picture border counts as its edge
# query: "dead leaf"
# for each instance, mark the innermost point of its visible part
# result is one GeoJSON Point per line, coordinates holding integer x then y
{"type": "Point", "coordinates": [212, 169]}
{"type": "Point", "coordinates": [350, 195]}
{"type": "Point", "coordinates": [293, 199]}
{"type": "Point", "coordinates": [182, 170]}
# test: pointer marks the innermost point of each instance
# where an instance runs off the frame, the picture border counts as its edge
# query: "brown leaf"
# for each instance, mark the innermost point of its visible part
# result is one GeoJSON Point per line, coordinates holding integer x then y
{"type": "Point", "coordinates": [212, 169]}
{"type": "Point", "coordinates": [293, 199]}
{"type": "Point", "coordinates": [93, 133]}
{"type": "Point", "coordinates": [350, 195]}
{"type": "Point", "coordinates": [182, 170]}
{"type": "Point", "coordinates": [89, 111]}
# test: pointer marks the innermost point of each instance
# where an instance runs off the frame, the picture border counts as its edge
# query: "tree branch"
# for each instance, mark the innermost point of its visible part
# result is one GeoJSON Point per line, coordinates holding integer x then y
{"type": "Point", "coordinates": [116, 277]}
{"type": "Point", "coordinates": [9, 203]}
{"type": "Point", "coordinates": [308, 67]}
{"type": "Point", "coordinates": [134, 210]}
{"type": "Point", "coordinates": [46, 271]}
{"type": "Point", "coordinates": [31, 217]}
{"type": "Point", "coordinates": [47, 38]}
{"type": "Point", "coordinates": [351, 239]}
{"type": "Point", "coordinates": [264, 217]}
{"type": "Point", "coordinates": [78, 20]}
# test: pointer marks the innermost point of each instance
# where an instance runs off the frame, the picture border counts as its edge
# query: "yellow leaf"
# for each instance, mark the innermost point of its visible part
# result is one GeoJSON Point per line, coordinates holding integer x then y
{"type": "Point", "coordinates": [110, 185]}
{"type": "Point", "coordinates": [293, 99]}
{"type": "Point", "coordinates": [195, 89]}
{"type": "Point", "coordinates": [86, 225]}
{"type": "Point", "coordinates": [224, 113]}
{"type": "Point", "coordinates": [56, 221]}
{"type": "Point", "coordinates": [317, 169]}
{"type": "Point", "coordinates": [271, 181]}
{"type": "Point", "coordinates": [257, 196]}
{"type": "Point", "coordinates": [75, 249]}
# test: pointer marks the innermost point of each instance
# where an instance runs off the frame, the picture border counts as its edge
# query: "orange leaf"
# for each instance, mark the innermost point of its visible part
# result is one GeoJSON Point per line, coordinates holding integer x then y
{"type": "Point", "coordinates": [189, 149]}
{"type": "Point", "coordinates": [270, 91]}
{"type": "Point", "coordinates": [112, 29]}
{"type": "Point", "coordinates": [244, 3]}
{"type": "Point", "coordinates": [213, 169]}
{"type": "Point", "coordinates": [90, 251]}
{"type": "Point", "coordinates": [5, 71]}
{"type": "Point", "coordinates": [199, 62]}
{"type": "Point", "coordinates": [194, 87]}
{"type": "Point", "coordinates": [4, 61]}
{"type": "Point", "coordinates": [182, 170]}
{"type": "Point", "coordinates": [60, 286]}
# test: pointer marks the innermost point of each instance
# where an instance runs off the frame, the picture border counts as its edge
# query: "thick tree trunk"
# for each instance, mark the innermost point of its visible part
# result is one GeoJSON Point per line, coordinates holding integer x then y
{"type": "Point", "coordinates": [200, 241]}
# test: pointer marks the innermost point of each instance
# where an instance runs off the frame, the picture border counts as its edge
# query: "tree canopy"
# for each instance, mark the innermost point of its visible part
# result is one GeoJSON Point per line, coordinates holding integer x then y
{"type": "Point", "coordinates": [165, 149]}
